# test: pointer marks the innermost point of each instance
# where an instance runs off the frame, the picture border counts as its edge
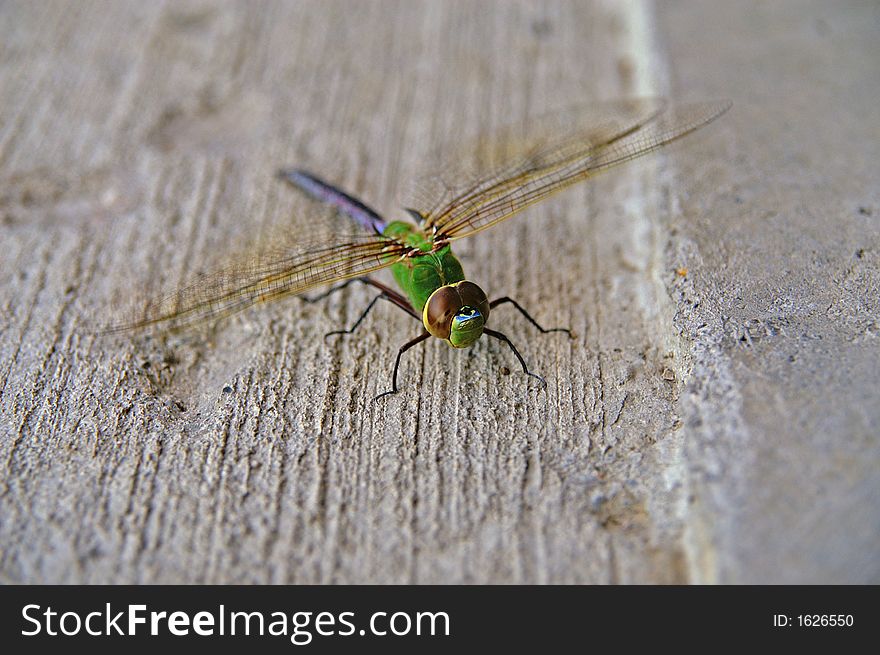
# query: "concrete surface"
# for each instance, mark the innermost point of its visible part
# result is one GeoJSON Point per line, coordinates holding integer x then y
{"type": "Point", "coordinates": [715, 420]}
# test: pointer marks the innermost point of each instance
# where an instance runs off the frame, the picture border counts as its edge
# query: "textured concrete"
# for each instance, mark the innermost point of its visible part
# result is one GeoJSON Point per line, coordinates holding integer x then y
{"type": "Point", "coordinates": [716, 418]}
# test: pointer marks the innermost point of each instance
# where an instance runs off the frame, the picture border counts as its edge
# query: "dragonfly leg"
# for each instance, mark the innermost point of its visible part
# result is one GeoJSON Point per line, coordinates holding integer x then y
{"type": "Point", "coordinates": [393, 296]}
{"type": "Point", "coordinates": [357, 322]}
{"type": "Point", "coordinates": [409, 344]}
{"type": "Point", "coordinates": [389, 293]}
{"type": "Point", "coordinates": [505, 299]}
{"type": "Point", "coordinates": [501, 337]}
{"type": "Point", "coordinates": [329, 292]}
{"type": "Point", "coordinates": [381, 296]}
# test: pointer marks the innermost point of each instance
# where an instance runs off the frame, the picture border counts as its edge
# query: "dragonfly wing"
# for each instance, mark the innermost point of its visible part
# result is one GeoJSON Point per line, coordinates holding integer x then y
{"type": "Point", "coordinates": [226, 291]}
{"type": "Point", "coordinates": [627, 131]}
{"type": "Point", "coordinates": [466, 169]}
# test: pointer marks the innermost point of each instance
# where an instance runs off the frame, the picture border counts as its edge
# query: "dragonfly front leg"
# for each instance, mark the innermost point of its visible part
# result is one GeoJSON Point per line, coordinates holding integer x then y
{"type": "Point", "coordinates": [409, 344]}
{"type": "Point", "coordinates": [505, 299]}
{"type": "Point", "coordinates": [501, 337]}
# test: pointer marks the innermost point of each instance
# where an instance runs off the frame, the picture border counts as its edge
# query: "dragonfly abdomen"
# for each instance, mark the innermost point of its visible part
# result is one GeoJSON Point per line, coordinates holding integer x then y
{"type": "Point", "coordinates": [336, 198]}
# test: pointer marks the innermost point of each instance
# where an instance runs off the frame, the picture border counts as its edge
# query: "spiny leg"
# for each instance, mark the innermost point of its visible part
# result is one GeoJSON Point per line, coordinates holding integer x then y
{"type": "Point", "coordinates": [409, 344]}
{"type": "Point", "coordinates": [329, 292]}
{"type": "Point", "coordinates": [502, 337]}
{"type": "Point", "coordinates": [357, 322]}
{"type": "Point", "coordinates": [381, 296]}
{"type": "Point", "coordinates": [505, 299]}
{"type": "Point", "coordinates": [388, 294]}
{"type": "Point", "coordinates": [395, 297]}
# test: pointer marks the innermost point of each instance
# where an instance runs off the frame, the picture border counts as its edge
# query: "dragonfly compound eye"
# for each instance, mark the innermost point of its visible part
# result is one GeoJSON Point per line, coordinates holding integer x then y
{"type": "Point", "coordinates": [457, 313]}
{"type": "Point", "coordinates": [440, 310]}
{"type": "Point", "coordinates": [467, 326]}
{"type": "Point", "coordinates": [473, 296]}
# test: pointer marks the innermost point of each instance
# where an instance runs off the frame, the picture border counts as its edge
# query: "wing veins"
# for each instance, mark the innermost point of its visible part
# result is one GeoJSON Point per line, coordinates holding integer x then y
{"type": "Point", "coordinates": [495, 199]}
{"type": "Point", "coordinates": [230, 290]}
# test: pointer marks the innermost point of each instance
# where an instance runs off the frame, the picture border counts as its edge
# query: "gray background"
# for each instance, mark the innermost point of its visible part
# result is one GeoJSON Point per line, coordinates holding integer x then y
{"type": "Point", "coordinates": [715, 420]}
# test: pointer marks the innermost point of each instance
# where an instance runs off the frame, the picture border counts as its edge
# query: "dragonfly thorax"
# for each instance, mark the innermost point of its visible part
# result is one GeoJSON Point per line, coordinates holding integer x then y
{"type": "Point", "coordinates": [457, 313]}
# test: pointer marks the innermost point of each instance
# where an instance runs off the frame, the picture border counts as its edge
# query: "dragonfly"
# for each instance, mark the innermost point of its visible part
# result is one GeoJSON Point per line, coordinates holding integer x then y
{"type": "Point", "coordinates": [556, 151]}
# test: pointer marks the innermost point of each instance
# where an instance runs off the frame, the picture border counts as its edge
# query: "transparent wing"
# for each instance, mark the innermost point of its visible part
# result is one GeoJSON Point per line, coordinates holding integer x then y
{"type": "Point", "coordinates": [226, 291]}
{"type": "Point", "coordinates": [565, 150]}
{"type": "Point", "coordinates": [471, 163]}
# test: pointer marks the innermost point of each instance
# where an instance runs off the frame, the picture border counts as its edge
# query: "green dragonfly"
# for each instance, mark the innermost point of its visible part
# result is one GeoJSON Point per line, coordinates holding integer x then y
{"type": "Point", "coordinates": [556, 151]}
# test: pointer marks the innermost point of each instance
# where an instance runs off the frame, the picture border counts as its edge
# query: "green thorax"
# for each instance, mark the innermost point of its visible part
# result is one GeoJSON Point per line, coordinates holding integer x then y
{"type": "Point", "coordinates": [422, 275]}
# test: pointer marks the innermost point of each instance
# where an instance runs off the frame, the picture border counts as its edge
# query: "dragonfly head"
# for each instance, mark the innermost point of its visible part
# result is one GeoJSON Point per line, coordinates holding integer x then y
{"type": "Point", "coordinates": [457, 313]}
